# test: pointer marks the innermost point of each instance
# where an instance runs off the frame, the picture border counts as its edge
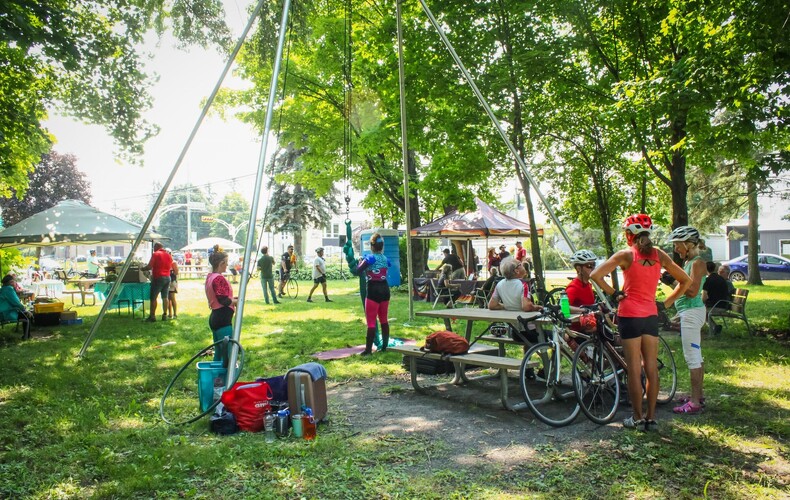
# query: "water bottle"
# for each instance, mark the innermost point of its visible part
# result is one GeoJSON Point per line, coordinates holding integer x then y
{"type": "Point", "coordinates": [268, 426]}
{"type": "Point", "coordinates": [308, 423]}
{"type": "Point", "coordinates": [219, 388]}
{"type": "Point", "coordinates": [282, 423]}
{"type": "Point", "coordinates": [565, 306]}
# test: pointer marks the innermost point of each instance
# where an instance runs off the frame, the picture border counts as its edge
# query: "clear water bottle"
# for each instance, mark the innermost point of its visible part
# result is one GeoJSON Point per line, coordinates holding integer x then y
{"type": "Point", "coordinates": [268, 426]}
{"type": "Point", "coordinates": [565, 306]}
{"type": "Point", "coordinates": [219, 388]}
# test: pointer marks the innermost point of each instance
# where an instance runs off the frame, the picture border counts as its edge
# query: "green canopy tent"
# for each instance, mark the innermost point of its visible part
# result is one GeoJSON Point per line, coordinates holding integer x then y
{"type": "Point", "coordinates": [71, 222]}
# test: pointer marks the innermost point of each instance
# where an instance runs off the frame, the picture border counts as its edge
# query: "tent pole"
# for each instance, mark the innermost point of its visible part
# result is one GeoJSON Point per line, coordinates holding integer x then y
{"type": "Point", "coordinates": [245, 274]}
{"type": "Point", "coordinates": [405, 159]}
{"type": "Point", "coordinates": [499, 128]}
{"type": "Point", "coordinates": [115, 286]}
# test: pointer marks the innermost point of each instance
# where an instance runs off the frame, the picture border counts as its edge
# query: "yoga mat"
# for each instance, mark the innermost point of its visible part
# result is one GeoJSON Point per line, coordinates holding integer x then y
{"type": "Point", "coordinates": [349, 351]}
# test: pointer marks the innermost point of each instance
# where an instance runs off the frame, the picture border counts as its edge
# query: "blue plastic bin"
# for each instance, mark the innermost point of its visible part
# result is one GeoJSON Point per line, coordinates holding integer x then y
{"type": "Point", "coordinates": [208, 371]}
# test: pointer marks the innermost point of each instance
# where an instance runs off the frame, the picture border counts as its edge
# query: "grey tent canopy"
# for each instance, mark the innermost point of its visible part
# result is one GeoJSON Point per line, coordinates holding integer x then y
{"type": "Point", "coordinates": [71, 222]}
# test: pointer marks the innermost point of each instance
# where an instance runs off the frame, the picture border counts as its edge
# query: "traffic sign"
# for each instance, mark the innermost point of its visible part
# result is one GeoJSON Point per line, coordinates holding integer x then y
{"type": "Point", "coordinates": [206, 218]}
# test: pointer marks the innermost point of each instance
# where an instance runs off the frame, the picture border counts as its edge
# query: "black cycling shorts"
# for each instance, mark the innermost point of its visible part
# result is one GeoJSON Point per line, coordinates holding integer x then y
{"type": "Point", "coordinates": [632, 328]}
{"type": "Point", "coordinates": [378, 291]}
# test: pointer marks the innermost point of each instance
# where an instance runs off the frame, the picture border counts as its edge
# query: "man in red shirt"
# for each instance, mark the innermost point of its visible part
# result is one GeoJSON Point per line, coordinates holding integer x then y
{"type": "Point", "coordinates": [580, 291]}
{"type": "Point", "coordinates": [160, 265]}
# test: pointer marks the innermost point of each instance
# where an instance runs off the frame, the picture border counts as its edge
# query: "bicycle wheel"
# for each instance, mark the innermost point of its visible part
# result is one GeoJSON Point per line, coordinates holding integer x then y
{"type": "Point", "coordinates": [553, 296]}
{"type": "Point", "coordinates": [596, 383]}
{"type": "Point", "coordinates": [667, 372]}
{"type": "Point", "coordinates": [547, 387]}
{"type": "Point", "coordinates": [292, 288]}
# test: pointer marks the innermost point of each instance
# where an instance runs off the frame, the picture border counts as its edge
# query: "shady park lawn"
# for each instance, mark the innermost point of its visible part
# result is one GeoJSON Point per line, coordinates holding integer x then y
{"type": "Point", "coordinates": [90, 427]}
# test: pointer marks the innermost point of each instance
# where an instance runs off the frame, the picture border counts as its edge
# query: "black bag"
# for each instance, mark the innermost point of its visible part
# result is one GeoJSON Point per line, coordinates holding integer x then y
{"type": "Point", "coordinates": [223, 423]}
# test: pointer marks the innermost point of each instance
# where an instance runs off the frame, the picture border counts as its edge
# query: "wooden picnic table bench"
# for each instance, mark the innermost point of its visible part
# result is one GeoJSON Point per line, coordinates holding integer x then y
{"type": "Point", "coordinates": [503, 364]}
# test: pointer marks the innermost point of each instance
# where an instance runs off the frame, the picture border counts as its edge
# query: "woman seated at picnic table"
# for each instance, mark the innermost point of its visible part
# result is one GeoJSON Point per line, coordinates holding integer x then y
{"type": "Point", "coordinates": [512, 293]}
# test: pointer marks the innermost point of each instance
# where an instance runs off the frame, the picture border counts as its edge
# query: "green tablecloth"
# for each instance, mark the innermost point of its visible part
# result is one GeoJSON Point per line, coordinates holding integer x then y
{"type": "Point", "coordinates": [128, 291]}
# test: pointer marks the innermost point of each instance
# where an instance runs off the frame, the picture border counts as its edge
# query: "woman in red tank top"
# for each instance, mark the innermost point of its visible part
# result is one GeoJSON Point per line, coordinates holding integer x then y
{"type": "Point", "coordinates": [637, 311]}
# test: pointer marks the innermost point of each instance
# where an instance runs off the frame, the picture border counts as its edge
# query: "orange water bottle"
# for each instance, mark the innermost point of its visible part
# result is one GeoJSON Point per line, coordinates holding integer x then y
{"type": "Point", "coordinates": [308, 424]}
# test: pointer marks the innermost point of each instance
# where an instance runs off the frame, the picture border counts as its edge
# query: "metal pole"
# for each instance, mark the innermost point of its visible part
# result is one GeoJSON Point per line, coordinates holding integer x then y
{"type": "Point", "coordinates": [499, 128]}
{"type": "Point", "coordinates": [166, 186]}
{"type": "Point", "coordinates": [256, 196]}
{"type": "Point", "coordinates": [405, 157]}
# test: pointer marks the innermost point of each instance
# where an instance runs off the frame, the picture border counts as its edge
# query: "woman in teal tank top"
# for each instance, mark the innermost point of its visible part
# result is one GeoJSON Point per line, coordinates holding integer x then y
{"type": "Point", "coordinates": [691, 309]}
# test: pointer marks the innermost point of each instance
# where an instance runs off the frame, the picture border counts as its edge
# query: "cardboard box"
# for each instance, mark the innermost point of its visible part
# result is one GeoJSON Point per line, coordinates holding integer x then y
{"type": "Point", "coordinates": [67, 315]}
{"type": "Point", "coordinates": [52, 307]}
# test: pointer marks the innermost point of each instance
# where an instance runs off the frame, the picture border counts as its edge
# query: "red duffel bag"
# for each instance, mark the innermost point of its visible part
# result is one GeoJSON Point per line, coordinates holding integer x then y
{"type": "Point", "coordinates": [248, 401]}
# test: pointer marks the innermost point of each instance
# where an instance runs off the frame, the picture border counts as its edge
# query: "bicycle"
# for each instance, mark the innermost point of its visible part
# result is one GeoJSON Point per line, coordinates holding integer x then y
{"type": "Point", "coordinates": [600, 369]}
{"type": "Point", "coordinates": [546, 373]}
{"type": "Point", "coordinates": [542, 297]}
{"type": "Point", "coordinates": [291, 285]}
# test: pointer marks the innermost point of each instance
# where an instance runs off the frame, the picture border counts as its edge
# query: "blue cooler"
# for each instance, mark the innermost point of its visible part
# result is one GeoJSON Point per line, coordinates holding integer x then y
{"type": "Point", "coordinates": [208, 372]}
{"type": "Point", "coordinates": [391, 250]}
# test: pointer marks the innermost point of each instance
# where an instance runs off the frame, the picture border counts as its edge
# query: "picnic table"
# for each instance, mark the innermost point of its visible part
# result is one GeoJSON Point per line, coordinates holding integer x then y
{"type": "Point", "coordinates": [193, 271]}
{"type": "Point", "coordinates": [130, 295]}
{"type": "Point", "coordinates": [84, 288]}
{"type": "Point", "coordinates": [475, 314]}
{"type": "Point", "coordinates": [501, 362]}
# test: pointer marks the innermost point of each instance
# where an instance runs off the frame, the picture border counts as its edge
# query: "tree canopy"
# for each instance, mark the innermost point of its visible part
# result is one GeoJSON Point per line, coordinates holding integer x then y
{"type": "Point", "coordinates": [54, 179]}
{"type": "Point", "coordinates": [84, 58]}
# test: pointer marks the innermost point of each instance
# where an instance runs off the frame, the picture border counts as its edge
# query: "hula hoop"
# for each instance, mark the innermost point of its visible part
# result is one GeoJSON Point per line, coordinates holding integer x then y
{"type": "Point", "coordinates": [187, 365]}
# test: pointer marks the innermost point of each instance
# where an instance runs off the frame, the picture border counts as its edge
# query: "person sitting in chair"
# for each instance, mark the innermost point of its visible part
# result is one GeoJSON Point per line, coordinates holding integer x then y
{"type": "Point", "coordinates": [11, 308]}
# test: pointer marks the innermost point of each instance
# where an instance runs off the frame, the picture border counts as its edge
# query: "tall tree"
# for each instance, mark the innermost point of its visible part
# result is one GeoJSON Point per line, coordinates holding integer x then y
{"type": "Point", "coordinates": [55, 178]}
{"type": "Point", "coordinates": [234, 211]}
{"type": "Point", "coordinates": [173, 222]}
{"type": "Point", "coordinates": [84, 57]}
{"type": "Point", "coordinates": [293, 207]}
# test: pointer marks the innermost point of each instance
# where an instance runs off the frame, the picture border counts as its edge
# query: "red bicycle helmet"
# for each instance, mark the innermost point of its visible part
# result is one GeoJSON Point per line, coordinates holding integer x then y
{"type": "Point", "coordinates": [637, 224]}
{"type": "Point", "coordinates": [588, 322]}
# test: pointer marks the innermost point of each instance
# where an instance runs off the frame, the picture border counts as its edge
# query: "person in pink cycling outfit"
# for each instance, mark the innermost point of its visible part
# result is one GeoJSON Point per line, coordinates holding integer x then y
{"type": "Point", "coordinates": [637, 311]}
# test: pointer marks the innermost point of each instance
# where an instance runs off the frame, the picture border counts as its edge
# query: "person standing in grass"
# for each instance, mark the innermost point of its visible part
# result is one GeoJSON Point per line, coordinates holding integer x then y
{"type": "Point", "coordinates": [637, 311]}
{"type": "Point", "coordinates": [220, 298]}
{"type": "Point", "coordinates": [319, 274]}
{"type": "Point", "coordinates": [172, 304]}
{"type": "Point", "coordinates": [266, 266]}
{"type": "Point", "coordinates": [159, 265]}
{"type": "Point", "coordinates": [375, 266]}
{"type": "Point", "coordinates": [691, 309]}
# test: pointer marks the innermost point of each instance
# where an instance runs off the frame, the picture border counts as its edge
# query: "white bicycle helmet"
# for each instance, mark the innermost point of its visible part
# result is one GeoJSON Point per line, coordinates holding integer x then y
{"type": "Point", "coordinates": [583, 257]}
{"type": "Point", "coordinates": [684, 233]}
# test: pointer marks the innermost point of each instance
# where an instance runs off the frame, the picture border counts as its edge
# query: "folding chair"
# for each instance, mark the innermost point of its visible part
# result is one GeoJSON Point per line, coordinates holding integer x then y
{"type": "Point", "coordinates": [441, 291]}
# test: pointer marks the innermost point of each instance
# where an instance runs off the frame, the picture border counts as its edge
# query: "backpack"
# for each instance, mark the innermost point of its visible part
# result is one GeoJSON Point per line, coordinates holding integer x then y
{"type": "Point", "coordinates": [445, 342]}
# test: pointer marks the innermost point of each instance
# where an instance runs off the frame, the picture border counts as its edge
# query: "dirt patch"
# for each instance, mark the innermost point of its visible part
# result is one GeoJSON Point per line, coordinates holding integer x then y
{"type": "Point", "coordinates": [469, 420]}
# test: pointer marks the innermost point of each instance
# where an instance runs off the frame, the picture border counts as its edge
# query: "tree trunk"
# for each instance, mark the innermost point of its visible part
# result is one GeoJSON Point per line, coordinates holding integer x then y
{"type": "Point", "coordinates": [677, 175]}
{"type": "Point", "coordinates": [754, 245]}
{"type": "Point", "coordinates": [298, 221]}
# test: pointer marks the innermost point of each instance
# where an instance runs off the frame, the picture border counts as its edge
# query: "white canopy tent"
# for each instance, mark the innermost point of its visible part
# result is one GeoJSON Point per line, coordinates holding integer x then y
{"type": "Point", "coordinates": [207, 243]}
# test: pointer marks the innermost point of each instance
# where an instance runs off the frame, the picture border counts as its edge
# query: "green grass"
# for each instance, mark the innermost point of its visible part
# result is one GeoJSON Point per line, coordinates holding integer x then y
{"type": "Point", "coordinates": [76, 428]}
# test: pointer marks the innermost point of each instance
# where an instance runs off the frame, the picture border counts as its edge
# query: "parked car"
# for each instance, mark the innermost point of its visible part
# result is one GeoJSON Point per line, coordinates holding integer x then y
{"type": "Point", "coordinates": [81, 258]}
{"type": "Point", "coordinates": [772, 267]}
